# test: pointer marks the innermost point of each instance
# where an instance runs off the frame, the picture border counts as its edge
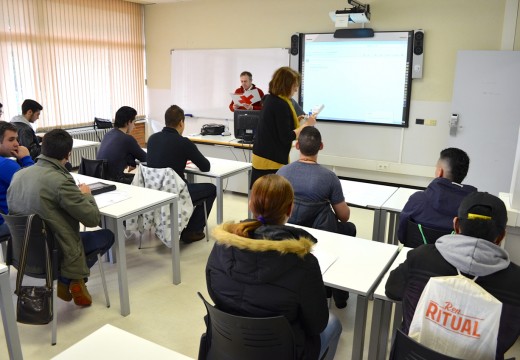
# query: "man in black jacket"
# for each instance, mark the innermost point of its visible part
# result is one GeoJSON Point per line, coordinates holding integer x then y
{"type": "Point", "coordinates": [474, 251]}
{"type": "Point", "coordinates": [26, 135]}
{"type": "Point", "coordinates": [169, 148]}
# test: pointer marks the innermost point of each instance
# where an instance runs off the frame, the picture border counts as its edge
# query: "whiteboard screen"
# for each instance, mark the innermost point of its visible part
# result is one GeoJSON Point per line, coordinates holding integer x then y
{"type": "Point", "coordinates": [202, 80]}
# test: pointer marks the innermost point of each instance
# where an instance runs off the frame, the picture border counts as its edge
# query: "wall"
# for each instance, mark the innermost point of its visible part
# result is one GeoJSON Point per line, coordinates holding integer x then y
{"type": "Point", "coordinates": [401, 155]}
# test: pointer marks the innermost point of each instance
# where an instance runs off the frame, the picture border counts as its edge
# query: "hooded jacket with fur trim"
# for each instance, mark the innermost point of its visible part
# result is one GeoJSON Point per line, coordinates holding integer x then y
{"type": "Point", "coordinates": [272, 273]}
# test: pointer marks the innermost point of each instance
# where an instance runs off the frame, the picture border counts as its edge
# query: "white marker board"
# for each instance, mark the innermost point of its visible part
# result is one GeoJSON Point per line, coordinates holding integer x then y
{"type": "Point", "coordinates": [202, 79]}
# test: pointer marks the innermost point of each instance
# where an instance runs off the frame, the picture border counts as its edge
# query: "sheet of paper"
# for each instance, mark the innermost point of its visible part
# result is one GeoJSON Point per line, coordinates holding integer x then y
{"type": "Point", "coordinates": [247, 98]}
{"type": "Point", "coordinates": [110, 198]}
{"type": "Point", "coordinates": [325, 258]}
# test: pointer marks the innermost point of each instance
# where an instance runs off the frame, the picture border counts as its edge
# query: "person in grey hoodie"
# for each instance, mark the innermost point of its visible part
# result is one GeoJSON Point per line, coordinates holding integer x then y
{"type": "Point", "coordinates": [475, 251]}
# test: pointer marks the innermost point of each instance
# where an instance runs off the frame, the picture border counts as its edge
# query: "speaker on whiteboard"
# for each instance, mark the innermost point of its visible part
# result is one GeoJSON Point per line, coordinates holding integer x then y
{"type": "Point", "coordinates": [295, 43]}
{"type": "Point", "coordinates": [294, 51]}
{"type": "Point", "coordinates": [418, 54]}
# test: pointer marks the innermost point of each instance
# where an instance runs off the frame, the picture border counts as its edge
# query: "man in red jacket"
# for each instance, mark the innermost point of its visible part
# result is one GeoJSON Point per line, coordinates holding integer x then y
{"type": "Point", "coordinates": [246, 81]}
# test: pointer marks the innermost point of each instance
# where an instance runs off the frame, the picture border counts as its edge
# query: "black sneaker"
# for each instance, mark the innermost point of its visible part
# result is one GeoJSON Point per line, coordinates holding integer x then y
{"type": "Point", "coordinates": [188, 237]}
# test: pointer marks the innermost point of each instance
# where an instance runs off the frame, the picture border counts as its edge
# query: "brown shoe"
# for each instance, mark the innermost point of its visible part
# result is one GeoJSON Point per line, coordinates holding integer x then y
{"type": "Point", "coordinates": [79, 292]}
{"type": "Point", "coordinates": [192, 236]}
{"type": "Point", "coordinates": [63, 292]}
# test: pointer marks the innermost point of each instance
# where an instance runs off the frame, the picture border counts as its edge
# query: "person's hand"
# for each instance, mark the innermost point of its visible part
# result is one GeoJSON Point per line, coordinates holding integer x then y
{"type": "Point", "coordinates": [301, 118]}
{"type": "Point", "coordinates": [248, 106]}
{"type": "Point", "coordinates": [84, 188]}
{"type": "Point", "coordinates": [20, 152]}
{"type": "Point", "coordinates": [130, 168]}
{"type": "Point", "coordinates": [311, 120]}
{"type": "Point", "coordinates": [235, 106]}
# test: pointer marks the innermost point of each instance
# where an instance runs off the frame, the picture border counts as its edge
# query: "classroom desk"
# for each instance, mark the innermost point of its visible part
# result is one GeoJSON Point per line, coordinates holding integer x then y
{"type": "Point", "coordinates": [358, 269]}
{"type": "Point", "coordinates": [393, 206]}
{"type": "Point", "coordinates": [110, 342]}
{"type": "Point", "coordinates": [371, 196]}
{"type": "Point", "coordinates": [220, 170]}
{"type": "Point", "coordinates": [8, 318]}
{"type": "Point", "coordinates": [141, 200]}
{"type": "Point", "coordinates": [381, 313]}
{"type": "Point", "coordinates": [220, 140]}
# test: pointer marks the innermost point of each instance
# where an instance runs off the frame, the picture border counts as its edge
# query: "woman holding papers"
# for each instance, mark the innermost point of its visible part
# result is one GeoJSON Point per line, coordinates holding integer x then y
{"type": "Point", "coordinates": [279, 125]}
{"type": "Point", "coordinates": [253, 95]}
{"type": "Point", "coordinates": [262, 268]}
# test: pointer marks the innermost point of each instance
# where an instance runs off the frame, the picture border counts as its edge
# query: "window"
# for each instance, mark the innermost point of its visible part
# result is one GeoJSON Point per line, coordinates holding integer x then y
{"type": "Point", "coordinates": [78, 58]}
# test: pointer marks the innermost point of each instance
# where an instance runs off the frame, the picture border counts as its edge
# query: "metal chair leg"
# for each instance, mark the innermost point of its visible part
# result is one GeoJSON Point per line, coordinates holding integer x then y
{"type": "Point", "coordinates": [103, 280]}
{"type": "Point", "coordinates": [54, 322]}
{"type": "Point", "coordinates": [206, 218]}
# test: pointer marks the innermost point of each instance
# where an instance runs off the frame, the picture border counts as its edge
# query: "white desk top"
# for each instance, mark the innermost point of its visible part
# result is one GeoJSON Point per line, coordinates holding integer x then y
{"type": "Point", "coordinates": [77, 143]}
{"type": "Point", "coordinates": [359, 262]}
{"type": "Point", "coordinates": [3, 268]}
{"type": "Point", "coordinates": [366, 194]}
{"type": "Point", "coordinates": [112, 343]}
{"type": "Point", "coordinates": [140, 198]}
{"type": "Point", "coordinates": [379, 293]}
{"type": "Point", "coordinates": [398, 200]}
{"type": "Point", "coordinates": [219, 167]}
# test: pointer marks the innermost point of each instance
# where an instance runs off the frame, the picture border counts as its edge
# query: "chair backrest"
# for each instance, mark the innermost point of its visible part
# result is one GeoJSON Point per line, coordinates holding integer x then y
{"type": "Point", "coordinates": [406, 348]}
{"type": "Point", "coordinates": [317, 215]}
{"type": "Point", "coordinates": [417, 234]}
{"type": "Point", "coordinates": [232, 337]}
{"type": "Point", "coordinates": [94, 168]}
{"type": "Point", "coordinates": [40, 239]}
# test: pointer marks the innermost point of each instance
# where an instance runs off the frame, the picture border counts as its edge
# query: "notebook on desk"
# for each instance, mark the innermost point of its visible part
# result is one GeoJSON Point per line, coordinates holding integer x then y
{"type": "Point", "coordinates": [100, 188]}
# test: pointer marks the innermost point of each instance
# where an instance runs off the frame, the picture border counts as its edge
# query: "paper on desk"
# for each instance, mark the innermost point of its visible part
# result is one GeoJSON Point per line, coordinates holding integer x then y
{"type": "Point", "coordinates": [247, 98]}
{"type": "Point", "coordinates": [110, 198]}
{"type": "Point", "coordinates": [325, 258]}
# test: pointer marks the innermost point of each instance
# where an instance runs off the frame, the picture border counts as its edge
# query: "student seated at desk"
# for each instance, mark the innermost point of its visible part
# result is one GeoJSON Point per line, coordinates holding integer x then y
{"type": "Point", "coordinates": [121, 149]}
{"type": "Point", "coordinates": [474, 251]}
{"type": "Point", "coordinates": [262, 268]}
{"type": "Point", "coordinates": [168, 148]}
{"type": "Point", "coordinates": [436, 206]}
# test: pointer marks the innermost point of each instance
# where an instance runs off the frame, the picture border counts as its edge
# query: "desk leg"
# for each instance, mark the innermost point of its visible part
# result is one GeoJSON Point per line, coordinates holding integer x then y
{"type": "Point", "coordinates": [379, 330]}
{"type": "Point", "coordinates": [116, 226]}
{"type": "Point", "coordinates": [392, 228]}
{"type": "Point", "coordinates": [378, 230]}
{"type": "Point", "coordinates": [249, 212]}
{"type": "Point", "coordinates": [10, 328]}
{"type": "Point", "coordinates": [220, 199]}
{"type": "Point", "coordinates": [359, 328]}
{"type": "Point", "coordinates": [176, 251]}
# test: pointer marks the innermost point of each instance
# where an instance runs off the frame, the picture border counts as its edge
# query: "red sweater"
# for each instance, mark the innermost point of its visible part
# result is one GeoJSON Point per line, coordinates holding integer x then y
{"type": "Point", "coordinates": [256, 106]}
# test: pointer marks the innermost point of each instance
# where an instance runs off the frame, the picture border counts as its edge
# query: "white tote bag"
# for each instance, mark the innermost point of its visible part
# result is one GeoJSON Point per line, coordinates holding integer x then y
{"type": "Point", "coordinates": [457, 317]}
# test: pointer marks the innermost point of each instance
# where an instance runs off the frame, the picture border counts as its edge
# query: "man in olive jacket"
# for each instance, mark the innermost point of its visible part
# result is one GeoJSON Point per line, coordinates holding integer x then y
{"type": "Point", "coordinates": [49, 190]}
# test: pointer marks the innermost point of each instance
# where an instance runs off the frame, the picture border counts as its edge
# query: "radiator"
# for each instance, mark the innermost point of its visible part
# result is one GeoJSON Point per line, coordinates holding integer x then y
{"type": "Point", "coordinates": [87, 152]}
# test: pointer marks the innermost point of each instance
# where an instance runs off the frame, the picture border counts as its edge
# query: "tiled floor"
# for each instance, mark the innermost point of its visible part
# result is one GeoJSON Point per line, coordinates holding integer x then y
{"type": "Point", "coordinates": [161, 312]}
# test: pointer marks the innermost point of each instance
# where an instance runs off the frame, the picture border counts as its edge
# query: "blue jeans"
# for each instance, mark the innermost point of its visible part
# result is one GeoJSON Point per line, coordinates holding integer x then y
{"type": "Point", "coordinates": [198, 192]}
{"type": "Point", "coordinates": [330, 337]}
{"type": "Point", "coordinates": [94, 243]}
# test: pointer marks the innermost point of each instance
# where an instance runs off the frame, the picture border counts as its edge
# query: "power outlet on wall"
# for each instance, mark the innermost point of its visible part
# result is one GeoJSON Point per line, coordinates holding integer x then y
{"type": "Point", "coordinates": [381, 166]}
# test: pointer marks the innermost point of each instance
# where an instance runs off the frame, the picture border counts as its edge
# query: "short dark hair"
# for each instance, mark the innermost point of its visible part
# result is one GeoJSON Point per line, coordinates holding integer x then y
{"type": "Point", "coordinates": [57, 144]}
{"type": "Point", "coordinates": [482, 215]}
{"type": "Point", "coordinates": [247, 73]}
{"type": "Point", "coordinates": [283, 81]}
{"type": "Point", "coordinates": [309, 141]}
{"type": "Point", "coordinates": [4, 126]}
{"type": "Point", "coordinates": [124, 115]}
{"type": "Point", "coordinates": [458, 163]}
{"type": "Point", "coordinates": [29, 104]}
{"type": "Point", "coordinates": [173, 116]}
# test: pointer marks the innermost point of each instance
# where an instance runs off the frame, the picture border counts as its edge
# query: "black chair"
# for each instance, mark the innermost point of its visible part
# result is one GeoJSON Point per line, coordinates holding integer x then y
{"type": "Point", "coordinates": [232, 337]}
{"type": "Point", "coordinates": [94, 168]}
{"type": "Point", "coordinates": [41, 241]}
{"type": "Point", "coordinates": [417, 234]}
{"type": "Point", "coordinates": [406, 348]}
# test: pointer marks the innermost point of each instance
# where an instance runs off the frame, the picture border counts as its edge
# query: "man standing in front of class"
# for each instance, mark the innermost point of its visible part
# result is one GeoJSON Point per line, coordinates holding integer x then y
{"type": "Point", "coordinates": [168, 148]}
{"type": "Point", "coordinates": [246, 81]}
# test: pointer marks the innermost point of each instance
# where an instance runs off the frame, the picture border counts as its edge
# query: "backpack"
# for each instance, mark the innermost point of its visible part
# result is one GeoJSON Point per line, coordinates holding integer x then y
{"type": "Point", "coordinates": [457, 317]}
